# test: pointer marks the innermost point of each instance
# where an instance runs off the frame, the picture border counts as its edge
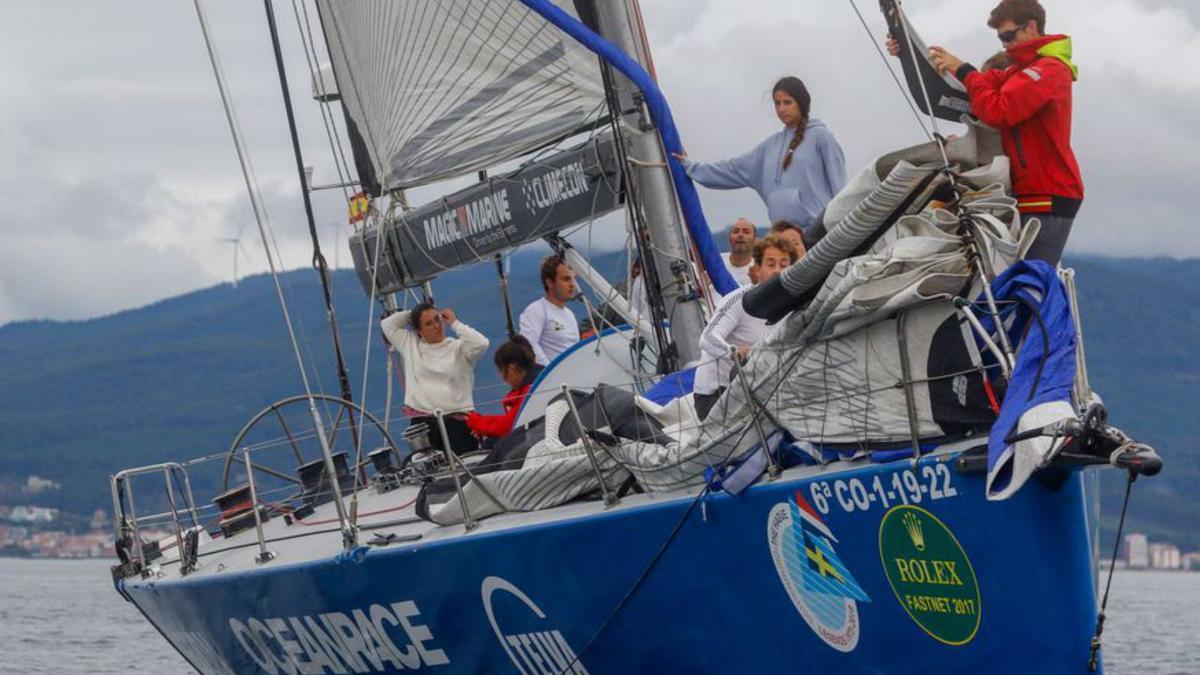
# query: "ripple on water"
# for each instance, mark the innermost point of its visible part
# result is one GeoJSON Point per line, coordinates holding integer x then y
{"type": "Point", "coordinates": [64, 617]}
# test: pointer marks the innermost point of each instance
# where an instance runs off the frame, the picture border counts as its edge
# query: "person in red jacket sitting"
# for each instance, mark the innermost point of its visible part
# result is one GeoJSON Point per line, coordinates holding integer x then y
{"type": "Point", "coordinates": [1030, 103]}
{"type": "Point", "coordinates": [517, 367]}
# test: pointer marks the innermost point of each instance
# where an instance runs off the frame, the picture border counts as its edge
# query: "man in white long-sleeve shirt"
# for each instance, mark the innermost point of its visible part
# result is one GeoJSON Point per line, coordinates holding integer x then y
{"type": "Point", "coordinates": [547, 323]}
{"type": "Point", "coordinates": [731, 327]}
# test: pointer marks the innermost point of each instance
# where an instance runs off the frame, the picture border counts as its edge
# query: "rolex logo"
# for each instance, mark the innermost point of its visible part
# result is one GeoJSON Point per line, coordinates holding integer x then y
{"type": "Point", "coordinates": [912, 524]}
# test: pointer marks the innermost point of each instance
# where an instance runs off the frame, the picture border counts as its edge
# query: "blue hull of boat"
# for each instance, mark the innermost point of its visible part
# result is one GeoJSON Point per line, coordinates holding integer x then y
{"type": "Point", "coordinates": [882, 569]}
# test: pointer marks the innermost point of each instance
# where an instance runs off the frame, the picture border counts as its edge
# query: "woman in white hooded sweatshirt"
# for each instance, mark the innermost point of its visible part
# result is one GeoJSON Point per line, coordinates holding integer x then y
{"type": "Point", "coordinates": [439, 371]}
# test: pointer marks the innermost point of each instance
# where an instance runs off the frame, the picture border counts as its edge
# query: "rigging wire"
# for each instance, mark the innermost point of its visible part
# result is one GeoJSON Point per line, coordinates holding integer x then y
{"type": "Point", "coordinates": [366, 363]}
{"type": "Point", "coordinates": [318, 258]}
{"type": "Point", "coordinates": [251, 185]}
{"type": "Point", "coordinates": [304, 27]}
{"type": "Point", "coordinates": [887, 64]}
{"type": "Point", "coordinates": [260, 219]}
{"type": "Point", "coordinates": [912, 52]}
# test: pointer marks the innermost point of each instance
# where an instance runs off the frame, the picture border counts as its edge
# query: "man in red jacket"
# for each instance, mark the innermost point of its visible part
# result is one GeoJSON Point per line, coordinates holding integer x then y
{"type": "Point", "coordinates": [1030, 103]}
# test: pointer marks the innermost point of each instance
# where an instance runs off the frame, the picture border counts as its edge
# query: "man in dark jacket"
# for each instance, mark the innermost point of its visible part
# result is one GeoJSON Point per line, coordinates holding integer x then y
{"type": "Point", "coordinates": [1030, 103]}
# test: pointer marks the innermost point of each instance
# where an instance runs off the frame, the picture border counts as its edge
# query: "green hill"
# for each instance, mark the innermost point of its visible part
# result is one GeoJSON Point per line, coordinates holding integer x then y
{"type": "Point", "coordinates": [177, 379]}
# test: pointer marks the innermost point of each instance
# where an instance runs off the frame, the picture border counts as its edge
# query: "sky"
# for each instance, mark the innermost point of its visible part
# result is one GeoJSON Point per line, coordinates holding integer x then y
{"type": "Point", "coordinates": [119, 182]}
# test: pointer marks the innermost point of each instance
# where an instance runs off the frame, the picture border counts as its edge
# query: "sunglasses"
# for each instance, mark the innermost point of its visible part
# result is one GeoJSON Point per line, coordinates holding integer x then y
{"type": "Point", "coordinates": [1009, 35]}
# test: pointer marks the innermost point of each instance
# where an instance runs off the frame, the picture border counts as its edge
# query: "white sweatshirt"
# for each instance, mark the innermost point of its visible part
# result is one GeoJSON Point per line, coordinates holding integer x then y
{"type": "Point", "coordinates": [549, 328]}
{"type": "Point", "coordinates": [730, 326]}
{"type": "Point", "coordinates": [436, 376]}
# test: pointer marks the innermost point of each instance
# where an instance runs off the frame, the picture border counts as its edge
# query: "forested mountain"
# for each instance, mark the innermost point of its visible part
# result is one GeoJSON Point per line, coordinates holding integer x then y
{"type": "Point", "coordinates": [177, 379]}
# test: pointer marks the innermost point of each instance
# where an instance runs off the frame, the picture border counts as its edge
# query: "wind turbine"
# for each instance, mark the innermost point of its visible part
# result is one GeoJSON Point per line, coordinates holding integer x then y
{"type": "Point", "coordinates": [237, 247]}
{"type": "Point", "coordinates": [337, 243]}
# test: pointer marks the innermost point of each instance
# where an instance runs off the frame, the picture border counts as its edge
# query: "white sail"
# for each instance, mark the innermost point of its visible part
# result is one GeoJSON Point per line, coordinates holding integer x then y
{"type": "Point", "coordinates": [440, 89]}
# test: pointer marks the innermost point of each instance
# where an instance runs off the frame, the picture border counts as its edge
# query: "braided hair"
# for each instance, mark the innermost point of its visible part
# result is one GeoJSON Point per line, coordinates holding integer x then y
{"type": "Point", "coordinates": [794, 87]}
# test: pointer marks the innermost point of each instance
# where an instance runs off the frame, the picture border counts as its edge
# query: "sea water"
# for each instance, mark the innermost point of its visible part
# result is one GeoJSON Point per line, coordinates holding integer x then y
{"type": "Point", "coordinates": [63, 616]}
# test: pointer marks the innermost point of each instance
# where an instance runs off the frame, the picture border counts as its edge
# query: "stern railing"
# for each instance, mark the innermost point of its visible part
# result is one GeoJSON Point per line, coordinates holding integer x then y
{"type": "Point", "coordinates": [127, 525]}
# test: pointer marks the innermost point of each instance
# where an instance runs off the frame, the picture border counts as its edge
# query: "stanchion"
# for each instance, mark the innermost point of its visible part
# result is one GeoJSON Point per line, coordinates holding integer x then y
{"type": "Point", "coordinates": [264, 555]}
{"type": "Point", "coordinates": [609, 498]}
{"type": "Point", "coordinates": [452, 460]}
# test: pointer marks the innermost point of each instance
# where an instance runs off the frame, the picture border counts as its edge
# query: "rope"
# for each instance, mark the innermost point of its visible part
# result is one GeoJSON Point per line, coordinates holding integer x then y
{"type": "Point", "coordinates": [637, 584]}
{"type": "Point", "coordinates": [1094, 650]}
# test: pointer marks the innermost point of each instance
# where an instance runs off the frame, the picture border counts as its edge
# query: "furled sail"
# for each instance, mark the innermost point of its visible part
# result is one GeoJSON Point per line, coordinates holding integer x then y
{"type": "Point", "coordinates": [440, 89]}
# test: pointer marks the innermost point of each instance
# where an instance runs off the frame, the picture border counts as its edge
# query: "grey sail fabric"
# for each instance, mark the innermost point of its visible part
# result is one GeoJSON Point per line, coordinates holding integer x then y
{"type": "Point", "coordinates": [833, 373]}
{"type": "Point", "coordinates": [880, 201]}
{"type": "Point", "coordinates": [879, 355]}
{"type": "Point", "coordinates": [896, 184]}
{"type": "Point", "coordinates": [440, 89]}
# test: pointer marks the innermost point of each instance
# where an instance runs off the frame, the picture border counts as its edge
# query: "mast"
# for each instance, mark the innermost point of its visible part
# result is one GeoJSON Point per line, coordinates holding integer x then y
{"type": "Point", "coordinates": [670, 247]}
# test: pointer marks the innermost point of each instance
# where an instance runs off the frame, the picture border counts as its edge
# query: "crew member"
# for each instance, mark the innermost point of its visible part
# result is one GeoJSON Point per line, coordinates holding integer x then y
{"type": "Point", "coordinates": [546, 323]}
{"type": "Point", "coordinates": [793, 233]}
{"type": "Point", "coordinates": [795, 171]}
{"type": "Point", "coordinates": [439, 371]}
{"type": "Point", "coordinates": [1030, 103]}
{"type": "Point", "coordinates": [730, 325]}
{"type": "Point", "coordinates": [742, 235]}
{"type": "Point", "coordinates": [514, 360]}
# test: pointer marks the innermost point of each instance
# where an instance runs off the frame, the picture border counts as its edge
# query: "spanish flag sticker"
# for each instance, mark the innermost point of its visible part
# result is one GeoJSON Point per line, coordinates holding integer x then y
{"type": "Point", "coordinates": [360, 205]}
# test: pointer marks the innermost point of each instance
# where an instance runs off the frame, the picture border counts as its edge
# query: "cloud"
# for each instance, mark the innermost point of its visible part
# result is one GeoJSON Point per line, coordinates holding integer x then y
{"type": "Point", "coordinates": [88, 277]}
{"type": "Point", "coordinates": [120, 177]}
{"type": "Point", "coordinates": [1134, 105]}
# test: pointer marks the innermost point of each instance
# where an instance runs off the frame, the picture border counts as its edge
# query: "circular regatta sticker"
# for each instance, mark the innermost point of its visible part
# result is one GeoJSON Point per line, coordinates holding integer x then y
{"type": "Point", "coordinates": [817, 580]}
{"type": "Point", "coordinates": [930, 573]}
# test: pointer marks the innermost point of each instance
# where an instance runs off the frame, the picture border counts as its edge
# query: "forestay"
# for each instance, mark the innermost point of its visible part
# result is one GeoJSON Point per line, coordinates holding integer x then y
{"type": "Point", "coordinates": [439, 89]}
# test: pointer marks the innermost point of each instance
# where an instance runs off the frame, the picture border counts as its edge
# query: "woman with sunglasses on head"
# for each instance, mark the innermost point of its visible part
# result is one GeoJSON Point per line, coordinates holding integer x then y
{"type": "Point", "coordinates": [1029, 101]}
{"type": "Point", "coordinates": [796, 171]}
{"type": "Point", "coordinates": [439, 370]}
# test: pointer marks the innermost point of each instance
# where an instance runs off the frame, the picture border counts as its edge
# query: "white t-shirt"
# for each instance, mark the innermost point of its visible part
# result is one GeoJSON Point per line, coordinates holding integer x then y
{"type": "Point", "coordinates": [740, 274]}
{"type": "Point", "coordinates": [549, 328]}
{"type": "Point", "coordinates": [730, 326]}
{"type": "Point", "coordinates": [639, 301]}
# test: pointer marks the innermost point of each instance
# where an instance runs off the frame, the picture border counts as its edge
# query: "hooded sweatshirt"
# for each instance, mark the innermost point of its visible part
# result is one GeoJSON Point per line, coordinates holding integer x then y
{"type": "Point", "coordinates": [796, 194]}
{"type": "Point", "coordinates": [1030, 103]}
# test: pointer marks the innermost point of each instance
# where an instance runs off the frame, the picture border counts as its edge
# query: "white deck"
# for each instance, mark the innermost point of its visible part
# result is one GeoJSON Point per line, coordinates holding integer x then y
{"type": "Point", "coordinates": [319, 537]}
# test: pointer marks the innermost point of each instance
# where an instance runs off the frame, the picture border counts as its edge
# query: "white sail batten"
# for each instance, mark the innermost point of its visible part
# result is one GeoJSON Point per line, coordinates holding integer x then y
{"type": "Point", "coordinates": [440, 89]}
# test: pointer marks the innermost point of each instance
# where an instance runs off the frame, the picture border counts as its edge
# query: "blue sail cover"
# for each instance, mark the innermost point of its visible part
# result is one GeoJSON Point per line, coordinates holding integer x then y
{"type": "Point", "coordinates": [660, 112]}
{"type": "Point", "coordinates": [1045, 367]}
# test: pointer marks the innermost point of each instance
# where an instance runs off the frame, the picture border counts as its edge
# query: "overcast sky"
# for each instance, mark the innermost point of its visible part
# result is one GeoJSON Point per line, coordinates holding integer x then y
{"type": "Point", "coordinates": [118, 178]}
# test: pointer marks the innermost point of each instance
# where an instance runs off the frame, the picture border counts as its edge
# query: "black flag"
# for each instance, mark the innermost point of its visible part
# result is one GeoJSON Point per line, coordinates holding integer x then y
{"type": "Point", "coordinates": [946, 94]}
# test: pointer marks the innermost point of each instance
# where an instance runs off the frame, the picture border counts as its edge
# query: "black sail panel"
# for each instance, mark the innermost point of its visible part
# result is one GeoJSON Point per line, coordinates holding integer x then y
{"type": "Point", "coordinates": [946, 94]}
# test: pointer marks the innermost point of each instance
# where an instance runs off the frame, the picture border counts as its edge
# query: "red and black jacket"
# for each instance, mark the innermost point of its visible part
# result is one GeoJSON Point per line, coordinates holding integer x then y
{"type": "Point", "coordinates": [498, 426]}
{"type": "Point", "coordinates": [1030, 103]}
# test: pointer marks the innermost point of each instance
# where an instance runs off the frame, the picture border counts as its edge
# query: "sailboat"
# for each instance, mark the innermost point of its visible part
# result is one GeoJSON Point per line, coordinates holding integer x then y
{"type": "Point", "coordinates": [900, 478]}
